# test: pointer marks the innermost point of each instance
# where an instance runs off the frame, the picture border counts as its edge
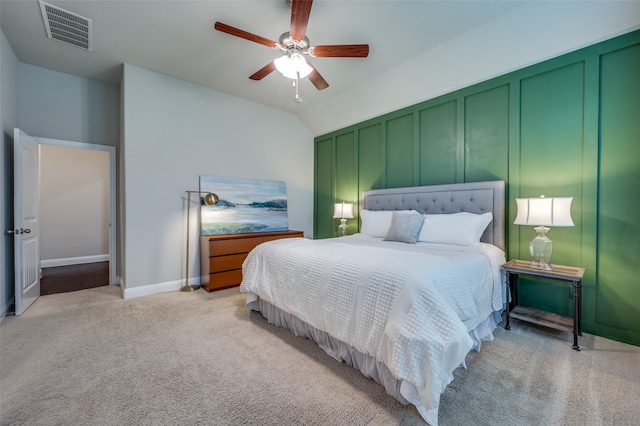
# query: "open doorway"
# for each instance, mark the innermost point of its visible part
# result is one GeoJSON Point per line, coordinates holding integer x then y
{"type": "Point", "coordinates": [77, 208]}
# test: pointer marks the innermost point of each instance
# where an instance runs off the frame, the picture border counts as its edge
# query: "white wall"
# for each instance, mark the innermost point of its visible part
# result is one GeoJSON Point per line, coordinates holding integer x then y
{"type": "Point", "coordinates": [174, 132]}
{"type": "Point", "coordinates": [537, 31]}
{"type": "Point", "coordinates": [61, 106]}
{"type": "Point", "coordinates": [74, 205]}
{"type": "Point", "coordinates": [8, 120]}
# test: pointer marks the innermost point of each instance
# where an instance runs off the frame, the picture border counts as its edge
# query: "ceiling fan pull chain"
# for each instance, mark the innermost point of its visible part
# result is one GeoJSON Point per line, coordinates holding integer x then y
{"type": "Point", "coordinates": [296, 83]}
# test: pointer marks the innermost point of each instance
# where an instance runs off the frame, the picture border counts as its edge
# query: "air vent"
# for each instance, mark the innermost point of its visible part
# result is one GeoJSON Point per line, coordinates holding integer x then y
{"type": "Point", "coordinates": [66, 26]}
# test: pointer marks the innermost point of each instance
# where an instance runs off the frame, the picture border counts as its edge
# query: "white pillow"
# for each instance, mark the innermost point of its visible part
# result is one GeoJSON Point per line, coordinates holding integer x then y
{"type": "Point", "coordinates": [376, 223]}
{"type": "Point", "coordinates": [457, 228]}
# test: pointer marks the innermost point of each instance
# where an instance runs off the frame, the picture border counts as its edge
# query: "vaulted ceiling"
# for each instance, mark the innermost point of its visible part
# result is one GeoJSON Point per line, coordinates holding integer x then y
{"type": "Point", "coordinates": [177, 38]}
{"type": "Point", "coordinates": [418, 48]}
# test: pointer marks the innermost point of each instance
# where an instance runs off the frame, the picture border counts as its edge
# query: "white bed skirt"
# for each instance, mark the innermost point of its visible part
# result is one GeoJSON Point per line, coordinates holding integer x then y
{"type": "Point", "coordinates": [401, 390]}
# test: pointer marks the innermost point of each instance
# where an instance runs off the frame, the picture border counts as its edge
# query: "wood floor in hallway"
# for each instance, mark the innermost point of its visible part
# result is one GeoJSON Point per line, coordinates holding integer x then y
{"type": "Point", "coordinates": [63, 279]}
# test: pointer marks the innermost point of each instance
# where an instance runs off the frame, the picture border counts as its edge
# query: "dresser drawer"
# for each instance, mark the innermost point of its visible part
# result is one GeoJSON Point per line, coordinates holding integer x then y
{"type": "Point", "coordinates": [278, 237]}
{"type": "Point", "coordinates": [225, 279]}
{"type": "Point", "coordinates": [227, 262]}
{"type": "Point", "coordinates": [233, 246]}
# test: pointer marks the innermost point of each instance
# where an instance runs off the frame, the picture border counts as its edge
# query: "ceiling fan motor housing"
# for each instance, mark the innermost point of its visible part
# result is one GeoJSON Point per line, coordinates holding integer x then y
{"type": "Point", "coordinates": [289, 46]}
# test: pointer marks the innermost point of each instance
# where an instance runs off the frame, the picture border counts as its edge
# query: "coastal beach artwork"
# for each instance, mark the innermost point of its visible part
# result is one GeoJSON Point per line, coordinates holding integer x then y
{"type": "Point", "coordinates": [245, 205]}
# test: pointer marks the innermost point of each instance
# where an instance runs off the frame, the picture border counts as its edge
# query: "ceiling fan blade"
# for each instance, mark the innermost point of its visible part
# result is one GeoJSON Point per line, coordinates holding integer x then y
{"type": "Point", "coordinates": [263, 72]}
{"type": "Point", "coordinates": [341, 51]}
{"type": "Point", "coordinates": [300, 10]}
{"type": "Point", "coordinates": [243, 34]}
{"type": "Point", "coordinates": [317, 79]}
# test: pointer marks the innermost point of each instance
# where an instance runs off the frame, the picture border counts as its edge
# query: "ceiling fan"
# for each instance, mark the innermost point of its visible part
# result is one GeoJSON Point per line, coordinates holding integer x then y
{"type": "Point", "coordinates": [294, 45]}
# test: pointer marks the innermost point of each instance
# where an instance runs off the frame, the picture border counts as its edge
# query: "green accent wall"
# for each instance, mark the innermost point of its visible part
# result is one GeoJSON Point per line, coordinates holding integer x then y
{"type": "Point", "coordinates": [569, 126]}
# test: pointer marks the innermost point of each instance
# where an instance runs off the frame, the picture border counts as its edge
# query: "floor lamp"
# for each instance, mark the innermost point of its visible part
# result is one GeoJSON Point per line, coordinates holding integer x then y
{"type": "Point", "coordinates": [209, 199]}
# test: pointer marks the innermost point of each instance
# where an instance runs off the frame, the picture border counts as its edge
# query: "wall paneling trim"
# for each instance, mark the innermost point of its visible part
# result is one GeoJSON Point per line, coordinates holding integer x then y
{"type": "Point", "coordinates": [568, 126]}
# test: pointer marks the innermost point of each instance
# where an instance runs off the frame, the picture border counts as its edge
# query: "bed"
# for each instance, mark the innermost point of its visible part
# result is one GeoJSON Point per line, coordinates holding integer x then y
{"type": "Point", "coordinates": [404, 300]}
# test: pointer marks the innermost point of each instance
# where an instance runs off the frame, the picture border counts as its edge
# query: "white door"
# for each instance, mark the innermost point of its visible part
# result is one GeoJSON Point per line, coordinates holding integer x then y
{"type": "Point", "coordinates": [26, 225]}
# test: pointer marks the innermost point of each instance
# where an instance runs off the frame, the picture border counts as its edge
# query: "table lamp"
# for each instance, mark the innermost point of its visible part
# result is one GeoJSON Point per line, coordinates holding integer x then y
{"type": "Point", "coordinates": [543, 212]}
{"type": "Point", "coordinates": [343, 211]}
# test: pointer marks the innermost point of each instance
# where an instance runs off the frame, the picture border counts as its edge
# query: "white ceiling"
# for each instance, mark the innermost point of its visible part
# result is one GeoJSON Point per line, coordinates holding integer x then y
{"type": "Point", "coordinates": [177, 38]}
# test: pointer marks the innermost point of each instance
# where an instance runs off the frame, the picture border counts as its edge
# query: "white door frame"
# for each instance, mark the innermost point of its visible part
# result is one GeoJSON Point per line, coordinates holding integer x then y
{"type": "Point", "coordinates": [113, 278]}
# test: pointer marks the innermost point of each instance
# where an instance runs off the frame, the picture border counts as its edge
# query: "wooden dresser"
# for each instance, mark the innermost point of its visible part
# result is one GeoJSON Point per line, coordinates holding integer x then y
{"type": "Point", "coordinates": [221, 256]}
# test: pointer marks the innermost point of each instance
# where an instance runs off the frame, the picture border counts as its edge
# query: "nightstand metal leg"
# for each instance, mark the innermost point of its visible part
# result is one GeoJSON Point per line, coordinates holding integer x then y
{"type": "Point", "coordinates": [576, 313]}
{"type": "Point", "coordinates": [507, 280]}
{"type": "Point", "coordinates": [579, 308]}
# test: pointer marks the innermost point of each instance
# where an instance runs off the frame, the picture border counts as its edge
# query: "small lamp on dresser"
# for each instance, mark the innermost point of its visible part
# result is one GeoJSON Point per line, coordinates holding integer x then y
{"type": "Point", "coordinates": [209, 199]}
{"type": "Point", "coordinates": [543, 212]}
{"type": "Point", "coordinates": [343, 211]}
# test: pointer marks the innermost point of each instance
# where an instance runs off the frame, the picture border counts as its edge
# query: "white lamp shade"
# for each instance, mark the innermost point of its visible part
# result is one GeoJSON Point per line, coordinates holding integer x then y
{"type": "Point", "coordinates": [343, 211]}
{"type": "Point", "coordinates": [290, 65]}
{"type": "Point", "coordinates": [553, 211]}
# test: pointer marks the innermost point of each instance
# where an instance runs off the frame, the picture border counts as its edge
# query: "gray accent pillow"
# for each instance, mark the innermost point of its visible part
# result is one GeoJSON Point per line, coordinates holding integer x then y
{"type": "Point", "coordinates": [404, 228]}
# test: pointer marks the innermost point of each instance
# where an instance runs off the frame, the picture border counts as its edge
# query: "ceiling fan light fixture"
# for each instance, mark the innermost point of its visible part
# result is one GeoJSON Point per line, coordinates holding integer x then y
{"type": "Point", "coordinates": [293, 66]}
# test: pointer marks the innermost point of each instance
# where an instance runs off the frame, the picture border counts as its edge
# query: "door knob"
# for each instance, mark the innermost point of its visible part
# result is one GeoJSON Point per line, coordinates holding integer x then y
{"type": "Point", "coordinates": [17, 231]}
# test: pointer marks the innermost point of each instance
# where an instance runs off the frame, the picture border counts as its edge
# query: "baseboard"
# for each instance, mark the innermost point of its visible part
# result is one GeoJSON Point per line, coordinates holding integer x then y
{"type": "Point", "coordinates": [74, 260]}
{"type": "Point", "coordinates": [5, 309]}
{"type": "Point", "coordinates": [147, 290]}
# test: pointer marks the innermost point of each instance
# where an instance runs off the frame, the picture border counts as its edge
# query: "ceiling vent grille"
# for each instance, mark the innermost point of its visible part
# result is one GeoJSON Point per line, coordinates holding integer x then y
{"type": "Point", "coordinates": [66, 26]}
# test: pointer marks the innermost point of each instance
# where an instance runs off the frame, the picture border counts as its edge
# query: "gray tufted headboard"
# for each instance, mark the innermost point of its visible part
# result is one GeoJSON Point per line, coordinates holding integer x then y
{"type": "Point", "coordinates": [475, 197]}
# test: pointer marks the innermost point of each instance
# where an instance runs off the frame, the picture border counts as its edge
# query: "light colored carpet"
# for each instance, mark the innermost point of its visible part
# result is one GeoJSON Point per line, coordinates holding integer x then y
{"type": "Point", "coordinates": [91, 358]}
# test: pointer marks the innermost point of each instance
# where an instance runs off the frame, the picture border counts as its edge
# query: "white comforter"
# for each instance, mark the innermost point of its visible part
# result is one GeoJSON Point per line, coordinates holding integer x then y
{"type": "Point", "coordinates": [408, 306]}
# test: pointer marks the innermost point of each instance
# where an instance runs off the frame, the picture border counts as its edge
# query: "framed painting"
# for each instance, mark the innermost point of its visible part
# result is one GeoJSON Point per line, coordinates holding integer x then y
{"type": "Point", "coordinates": [245, 205]}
